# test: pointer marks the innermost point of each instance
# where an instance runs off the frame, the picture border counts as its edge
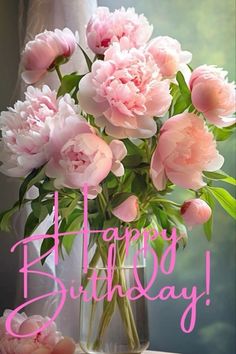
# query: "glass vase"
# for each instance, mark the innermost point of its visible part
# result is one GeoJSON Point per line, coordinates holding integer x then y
{"type": "Point", "coordinates": [117, 325]}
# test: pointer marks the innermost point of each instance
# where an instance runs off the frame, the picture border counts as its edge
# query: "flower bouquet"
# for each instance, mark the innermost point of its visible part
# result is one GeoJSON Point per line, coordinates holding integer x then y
{"type": "Point", "coordinates": [139, 123]}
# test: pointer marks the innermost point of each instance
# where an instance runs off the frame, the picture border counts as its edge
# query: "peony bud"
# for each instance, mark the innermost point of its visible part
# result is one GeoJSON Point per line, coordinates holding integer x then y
{"type": "Point", "coordinates": [195, 212]}
{"type": "Point", "coordinates": [128, 210]}
{"type": "Point", "coordinates": [40, 54]}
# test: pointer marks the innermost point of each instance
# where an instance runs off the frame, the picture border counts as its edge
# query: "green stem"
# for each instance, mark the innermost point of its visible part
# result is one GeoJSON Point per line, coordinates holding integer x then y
{"type": "Point", "coordinates": [167, 201]}
{"type": "Point", "coordinates": [123, 304]}
{"type": "Point", "coordinates": [58, 71]}
{"type": "Point", "coordinates": [93, 310]}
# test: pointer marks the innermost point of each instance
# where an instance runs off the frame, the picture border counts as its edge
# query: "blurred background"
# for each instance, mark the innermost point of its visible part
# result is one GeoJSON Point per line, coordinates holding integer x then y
{"type": "Point", "coordinates": [207, 29]}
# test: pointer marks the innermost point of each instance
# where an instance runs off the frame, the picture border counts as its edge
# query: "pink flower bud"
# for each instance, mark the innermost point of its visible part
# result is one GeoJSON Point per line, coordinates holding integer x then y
{"type": "Point", "coordinates": [40, 54]}
{"type": "Point", "coordinates": [195, 212]}
{"type": "Point", "coordinates": [128, 210]}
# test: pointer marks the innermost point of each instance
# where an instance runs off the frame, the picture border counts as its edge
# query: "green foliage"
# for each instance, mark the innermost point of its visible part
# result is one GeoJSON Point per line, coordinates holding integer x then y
{"type": "Point", "coordinates": [73, 223]}
{"type": "Point", "coordinates": [225, 199]}
{"type": "Point", "coordinates": [181, 96]}
{"type": "Point", "coordinates": [183, 87]}
{"type": "Point", "coordinates": [220, 176]}
{"type": "Point", "coordinates": [158, 245]}
{"type": "Point", "coordinates": [87, 59]}
{"type": "Point", "coordinates": [35, 176]}
{"type": "Point", "coordinates": [6, 216]}
{"type": "Point", "coordinates": [135, 155]}
{"type": "Point", "coordinates": [139, 185]}
{"type": "Point", "coordinates": [208, 226]}
{"type": "Point", "coordinates": [222, 134]}
{"type": "Point", "coordinates": [47, 244]}
{"type": "Point", "coordinates": [31, 224]}
{"type": "Point", "coordinates": [69, 83]}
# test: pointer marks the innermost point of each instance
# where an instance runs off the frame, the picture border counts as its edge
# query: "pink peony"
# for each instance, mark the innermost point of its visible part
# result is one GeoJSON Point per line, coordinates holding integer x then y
{"type": "Point", "coordinates": [43, 342]}
{"type": "Point", "coordinates": [128, 210]}
{"type": "Point", "coordinates": [195, 212]}
{"type": "Point", "coordinates": [168, 55]}
{"type": "Point", "coordinates": [213, 95]}
{"type": "Point", "coordinates": [79, 156]}
{"type": "Point", "coordinates": [40, 54]}
{"type": "Point", "coordinates": [124, 92]}
{"type": "Point", "coordinates": [26, 130]}
{"type": "Point", "coordinates": [105, 28]}
{"type": "Point", "coordinates": [185, 149]}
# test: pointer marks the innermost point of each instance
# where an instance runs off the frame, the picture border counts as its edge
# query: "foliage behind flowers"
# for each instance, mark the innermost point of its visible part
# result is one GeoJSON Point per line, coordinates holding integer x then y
{"type": "Point", "coordinates": [139, 123]}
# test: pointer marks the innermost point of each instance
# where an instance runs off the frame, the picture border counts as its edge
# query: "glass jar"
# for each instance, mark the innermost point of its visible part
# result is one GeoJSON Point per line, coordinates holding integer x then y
{"type": "Point", "coordinates": [119, 325]}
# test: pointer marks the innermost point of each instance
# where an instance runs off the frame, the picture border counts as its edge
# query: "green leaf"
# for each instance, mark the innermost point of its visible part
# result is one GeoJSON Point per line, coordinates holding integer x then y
{"type": "Point", "coordinates": [180, 105]}
{"type": "Point", "coordinates": [49, 204]}
{"type": "Point", "coordinates": [158, 246]}
{"type": "Point", "coordinates": [174, 90]}
{"type": "Point", "coordinates": [182, 83]}
{"type": "Point", "coordinates": [48, 185]}
{"type": "Point", "coordinates": [74, 223]}
{"type": "Point", "coordinates": [68, 83]}
{"type": "Point", "coordinates": [225, 199]}
{"type": "Point", "coordinates": [66, 206]}
{"type": "Point", "coordinates": [208, 226]}
{"type": "Point", "coordinates": [47, 244]}
{"type": "Point", "coordinates": [161, 215]}
{"type": "Point", "coordinates": [220, 175]}
{"type": "Point", "coordinates": [132, 148]}
{"type": "Point", "coordinates": [222, 134]}
{"type": "Point", "coordinates": [35, 176]}
{"type": "Point", "coordinates": [131, 161]}
{"type": "Point", "coordinates": [88, 60]}
{"type": "Point", "coordinates": [39, 210]}
{"type": "Point", "coordinates": [139, 185]}
{"type": "Point", "coordinates": [175, 220]}
{"type": "Point", "coordinates": [191, 69]}
{"type": "Point", "coordinates": [31, 224]}
{"type": "Point", "coordinates": [141, 222]}
{"type": "Point", "coordinates": [6, 216]}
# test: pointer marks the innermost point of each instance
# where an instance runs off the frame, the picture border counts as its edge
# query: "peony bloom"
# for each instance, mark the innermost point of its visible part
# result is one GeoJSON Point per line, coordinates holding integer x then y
{"type": "Point", "coordinates": [128, 210]}
{"type": "Point", "coordinates": [43, 343]}
{"type": "Point", "coordinates": [168, 55]}
{"type": "Point", "coordinates": [105, 28]}
{"type": "Point", "coordinates": [185, 149]}
{"type": "Point", "coordinates": [124, 92]}
{"type": "Point", "coordinates": [195, 212]}
{"type": "Point", "coordinates": [26, 130]}
{"type": "Point", "coordinates": [40, 54]}
{"type": "Point", "coordinates": [213, 95]}
{"type": "Point", "coordinates": [79, 158]}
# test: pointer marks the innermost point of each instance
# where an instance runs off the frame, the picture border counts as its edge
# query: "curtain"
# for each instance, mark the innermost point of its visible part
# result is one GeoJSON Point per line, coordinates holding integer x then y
{"type": "Point", "coordinates": [34, 17]}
